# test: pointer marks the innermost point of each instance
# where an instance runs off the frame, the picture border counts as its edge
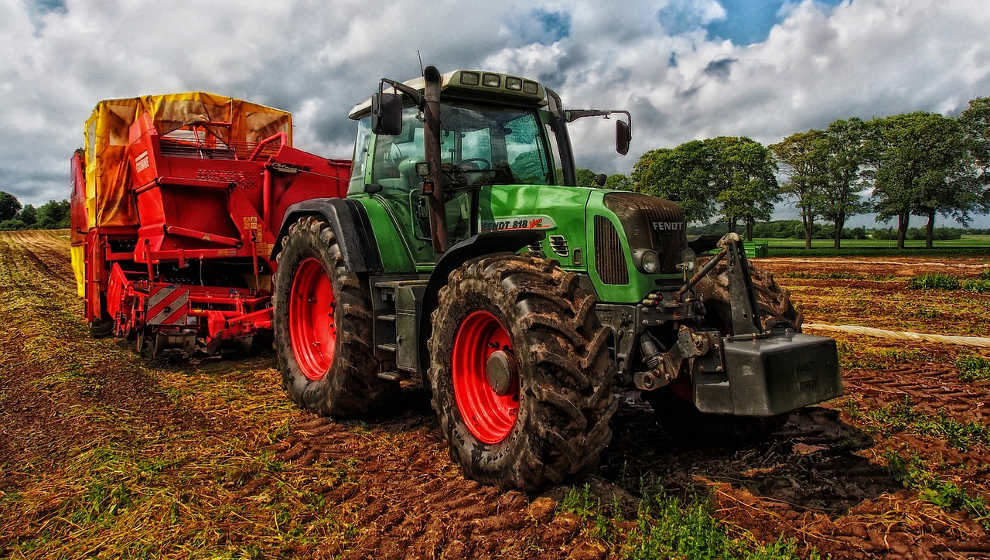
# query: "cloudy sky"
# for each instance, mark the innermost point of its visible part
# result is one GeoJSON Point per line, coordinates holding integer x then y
{"type": "Point", "coordinates": [686, 69]}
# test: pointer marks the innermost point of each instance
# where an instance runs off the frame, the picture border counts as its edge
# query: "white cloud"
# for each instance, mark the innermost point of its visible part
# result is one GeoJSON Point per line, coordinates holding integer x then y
{"type": "Point", "coordinates": [862, 58]}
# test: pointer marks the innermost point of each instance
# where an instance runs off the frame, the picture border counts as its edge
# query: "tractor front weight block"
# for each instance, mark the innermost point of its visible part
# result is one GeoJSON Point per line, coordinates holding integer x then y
{"type": "Point", "coordinates": [770, 375]}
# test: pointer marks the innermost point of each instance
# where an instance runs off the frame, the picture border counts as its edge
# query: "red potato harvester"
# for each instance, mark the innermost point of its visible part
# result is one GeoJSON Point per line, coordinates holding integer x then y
{"type": "Point", "coordinates": [177, 200]}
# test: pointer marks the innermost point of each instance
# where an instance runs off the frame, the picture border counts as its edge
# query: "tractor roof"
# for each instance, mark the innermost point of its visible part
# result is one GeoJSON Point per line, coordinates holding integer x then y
{"type": "Point", "coordinates": [476, 84]}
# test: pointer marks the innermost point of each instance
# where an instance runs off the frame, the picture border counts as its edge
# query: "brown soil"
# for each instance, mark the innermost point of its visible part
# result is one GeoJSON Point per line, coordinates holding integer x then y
{"type": "Point", "coordinates": [875, 293]}
{"type": "Point", "coordinates": [105, 455]}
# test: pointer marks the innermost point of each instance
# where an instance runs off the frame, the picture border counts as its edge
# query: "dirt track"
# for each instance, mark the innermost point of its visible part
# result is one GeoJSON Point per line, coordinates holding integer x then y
{"type": "Point", "coordinates": [102, 454]}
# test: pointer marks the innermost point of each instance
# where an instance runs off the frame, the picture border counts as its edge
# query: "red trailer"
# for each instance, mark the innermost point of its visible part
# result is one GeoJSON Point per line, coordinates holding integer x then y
{"type": "Point", "coordinates": [177, 200]}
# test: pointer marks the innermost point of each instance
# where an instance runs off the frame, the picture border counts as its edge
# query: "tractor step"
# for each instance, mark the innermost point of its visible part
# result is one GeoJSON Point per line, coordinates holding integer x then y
{"type": "Point", "coordinates": [394, 301]}
{"type": "Point", "coordinates": [390, 375]}
{"type": "Point", "coordinates": [396, 284]}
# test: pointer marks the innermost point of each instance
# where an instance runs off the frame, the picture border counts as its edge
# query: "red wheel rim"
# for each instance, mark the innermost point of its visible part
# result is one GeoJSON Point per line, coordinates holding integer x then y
{"type": "Point", "coordinates": [311, 321]}
{"type": "Point", "coordinates": [488, 415]}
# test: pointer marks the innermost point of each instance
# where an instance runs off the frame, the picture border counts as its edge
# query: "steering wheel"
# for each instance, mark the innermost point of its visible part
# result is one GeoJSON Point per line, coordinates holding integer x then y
{"type": "Point", "coordinates": [478, 164]}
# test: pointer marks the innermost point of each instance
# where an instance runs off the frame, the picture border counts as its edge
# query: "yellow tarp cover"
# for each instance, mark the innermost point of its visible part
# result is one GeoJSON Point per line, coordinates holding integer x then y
{"type": "Point", "coordinates": [108, 198]}
{"type": "Point", "coordinates": [78, 253]}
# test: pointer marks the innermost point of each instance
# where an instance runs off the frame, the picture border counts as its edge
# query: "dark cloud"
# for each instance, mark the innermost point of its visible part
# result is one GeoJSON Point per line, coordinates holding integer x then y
{"type": "Point", "coordinates": [720, 68]}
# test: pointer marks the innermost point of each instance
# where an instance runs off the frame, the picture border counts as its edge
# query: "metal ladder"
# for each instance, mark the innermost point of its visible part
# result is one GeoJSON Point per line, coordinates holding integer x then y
{"type": "Point", "coordinates": [386, 333]}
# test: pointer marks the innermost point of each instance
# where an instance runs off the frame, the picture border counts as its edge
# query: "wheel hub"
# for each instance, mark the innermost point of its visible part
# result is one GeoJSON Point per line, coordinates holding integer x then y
{"type": "Point", "coordinates": [501, 371]}
{"type": "Point", "coordinates": [485, 377]}
{"type": "Point", "coordinates": [311, 319]}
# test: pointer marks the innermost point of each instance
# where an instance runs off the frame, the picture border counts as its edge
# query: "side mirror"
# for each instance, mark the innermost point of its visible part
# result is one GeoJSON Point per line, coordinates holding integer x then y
{"type": "Point", "coordinates": [386, 113]}
{"type": "Point", "coordinates": [600, 179]}
{"type": "Point", "coordinates": [623, 135]}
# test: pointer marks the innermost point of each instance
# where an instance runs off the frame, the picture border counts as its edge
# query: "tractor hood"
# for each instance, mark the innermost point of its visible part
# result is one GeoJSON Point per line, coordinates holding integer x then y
{"type": "Point", "coordinates": [596, 231]}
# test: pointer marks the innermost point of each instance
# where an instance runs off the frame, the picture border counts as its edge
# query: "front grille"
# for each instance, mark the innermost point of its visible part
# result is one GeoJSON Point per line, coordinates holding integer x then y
{"type": "Point", "coordinates": [651, 223]}
{"type": "Point", "coordinates": [610, 260]}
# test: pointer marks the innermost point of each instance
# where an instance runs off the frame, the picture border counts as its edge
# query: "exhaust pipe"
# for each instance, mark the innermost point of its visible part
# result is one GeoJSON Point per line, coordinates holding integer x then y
{"type": "Point", "coordinates": [431, 145]}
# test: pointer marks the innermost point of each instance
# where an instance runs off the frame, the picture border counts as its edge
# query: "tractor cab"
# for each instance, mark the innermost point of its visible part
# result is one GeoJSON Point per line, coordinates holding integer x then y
{"type": "Point", "coordinates": [494, 129]}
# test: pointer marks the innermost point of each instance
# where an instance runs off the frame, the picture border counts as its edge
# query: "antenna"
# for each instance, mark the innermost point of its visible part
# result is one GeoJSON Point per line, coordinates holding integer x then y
{"type": "Point", "coordinates": [421, 71]}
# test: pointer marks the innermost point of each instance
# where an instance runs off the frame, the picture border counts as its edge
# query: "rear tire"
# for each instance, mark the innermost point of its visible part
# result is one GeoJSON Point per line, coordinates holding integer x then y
{"type": "Point", "coordinates": [564, 373]}
{"type": "Point", "coordinates": [338, 378]}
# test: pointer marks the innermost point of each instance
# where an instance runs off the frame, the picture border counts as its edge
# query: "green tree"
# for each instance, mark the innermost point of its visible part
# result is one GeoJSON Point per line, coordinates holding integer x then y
{"type": "Point", "coordinates": [922, 167]}
{"type": "Point", "coordinates": [950, 186]}
{"type": "Point", "coordinates": [804, 156]}
{"type": "Point", "coordinates": [745, 179]}
{"type": "Point", "coordinates": [9, 206]}
{"type": "Point", "coordinates": [976, 123]}
{"type": "Point", "coordinates": [53, 214]}
{"type": "Point", "coordinates": [619, 182]}
{"type": "Point", "coordinates": [28, 215]}
{"type": "Point", "coordinates": [846, 152]}
{"type": "Point", "coordinates": [976, 126]}
{"type": "Point", "coordinates": [585, 177]}
{"type": "Point", "coordinates": [11, 224]}
{"type": "Point", "coordinates": [684, 174]}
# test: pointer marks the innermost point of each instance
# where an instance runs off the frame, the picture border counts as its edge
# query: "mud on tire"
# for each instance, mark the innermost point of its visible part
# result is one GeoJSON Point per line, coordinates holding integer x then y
{"type": "Point", "coordinates": [774, 301]}
{"type": "Point", "coordinates": [565, 373]}
{"type": "Point", "coordinates": [350, 386]}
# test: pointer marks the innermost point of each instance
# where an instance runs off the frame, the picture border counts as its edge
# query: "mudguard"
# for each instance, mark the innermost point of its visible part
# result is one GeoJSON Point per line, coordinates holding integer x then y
{"type": "Point", "coordinates": [350, 224]}
{"type": "Point", "coordinates": [484, 243]}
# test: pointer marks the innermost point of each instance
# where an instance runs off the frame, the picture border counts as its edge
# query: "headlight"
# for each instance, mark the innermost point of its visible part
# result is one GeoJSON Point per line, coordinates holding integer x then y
{"type": "Point", "coordinates": [647, 260]}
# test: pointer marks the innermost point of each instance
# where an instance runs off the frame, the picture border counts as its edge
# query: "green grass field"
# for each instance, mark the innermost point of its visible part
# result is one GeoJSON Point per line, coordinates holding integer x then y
{"type": "Point", "coordinates": [967, 245]}
{"type": "Point", "coordinates": [965, 241]}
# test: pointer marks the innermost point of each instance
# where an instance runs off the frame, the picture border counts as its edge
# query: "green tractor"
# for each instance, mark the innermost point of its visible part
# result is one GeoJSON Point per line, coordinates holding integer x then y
{"type": "Point", "coordinates": [465, 255]}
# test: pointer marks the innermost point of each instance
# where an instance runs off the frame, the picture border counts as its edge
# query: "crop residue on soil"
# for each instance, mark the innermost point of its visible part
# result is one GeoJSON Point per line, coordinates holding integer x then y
{"type": "Point", "coordinates": [105, 455]}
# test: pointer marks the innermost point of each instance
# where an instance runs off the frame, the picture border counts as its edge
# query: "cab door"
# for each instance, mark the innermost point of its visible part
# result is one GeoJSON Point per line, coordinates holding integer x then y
{"type": "Point", "coordinates": [394, 180]}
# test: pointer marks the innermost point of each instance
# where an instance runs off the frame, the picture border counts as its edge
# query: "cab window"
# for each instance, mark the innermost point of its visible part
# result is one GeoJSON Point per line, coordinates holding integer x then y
{"type": "Point", "coordinates": [360, 156]}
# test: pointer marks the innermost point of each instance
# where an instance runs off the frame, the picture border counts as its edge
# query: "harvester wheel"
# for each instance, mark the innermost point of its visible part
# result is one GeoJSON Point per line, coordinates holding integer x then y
{"type": "Point", "coordinates": [101, 328]}
{"type": "Point", "coordinates": [520, 372]}
{"type": "Point", "coordinates": [322, 326]}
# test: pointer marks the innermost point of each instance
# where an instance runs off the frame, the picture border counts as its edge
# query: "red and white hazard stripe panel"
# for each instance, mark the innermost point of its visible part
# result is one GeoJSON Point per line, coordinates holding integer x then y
{"type": "Point", "coordinates": [168, 305]}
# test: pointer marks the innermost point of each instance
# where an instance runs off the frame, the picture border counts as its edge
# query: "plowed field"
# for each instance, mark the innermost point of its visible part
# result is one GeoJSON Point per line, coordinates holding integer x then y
{"type": "Point", "coordinates": [103, 454]}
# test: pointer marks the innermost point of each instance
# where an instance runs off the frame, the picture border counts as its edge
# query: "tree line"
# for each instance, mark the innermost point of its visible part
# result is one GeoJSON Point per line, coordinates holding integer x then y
{"type": "Point", "coordinates": [914, 164]}
{"type": "Point", "coordinates": [50, 215]}
{"type": "Point", "coordinates": [790, 229]}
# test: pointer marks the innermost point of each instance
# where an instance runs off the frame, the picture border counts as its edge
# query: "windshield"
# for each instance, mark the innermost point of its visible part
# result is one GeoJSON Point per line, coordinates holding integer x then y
{"type": "Point", "coordinates": [480, 145]}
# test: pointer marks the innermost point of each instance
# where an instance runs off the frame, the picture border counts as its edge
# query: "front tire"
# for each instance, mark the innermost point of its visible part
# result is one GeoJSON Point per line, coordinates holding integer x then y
{"type": "Point", "coordinates": [322, 326]}
{"type": "Point", "coordinates": [550, 418]}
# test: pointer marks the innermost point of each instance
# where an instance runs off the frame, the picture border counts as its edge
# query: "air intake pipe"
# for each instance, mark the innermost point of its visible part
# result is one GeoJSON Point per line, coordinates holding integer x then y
{"type": "Point", "coordinates": [431, 144]}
